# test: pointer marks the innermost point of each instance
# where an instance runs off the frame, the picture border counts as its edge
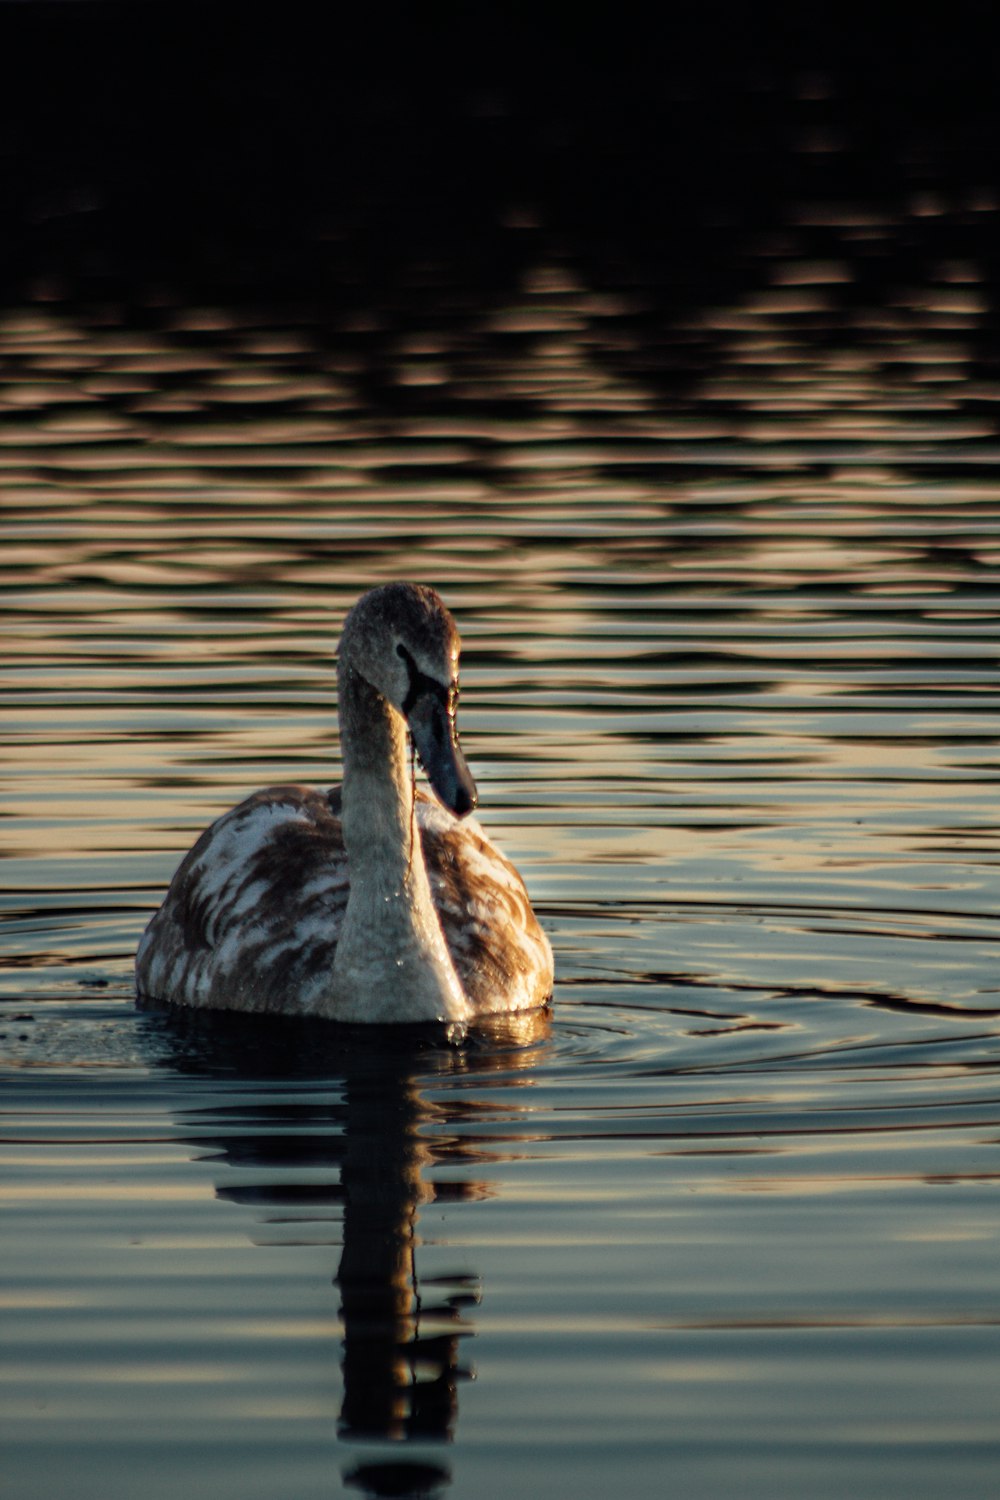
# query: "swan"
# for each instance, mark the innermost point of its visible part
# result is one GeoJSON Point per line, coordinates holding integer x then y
{"type": "Point", "coordinates": [371, 901]}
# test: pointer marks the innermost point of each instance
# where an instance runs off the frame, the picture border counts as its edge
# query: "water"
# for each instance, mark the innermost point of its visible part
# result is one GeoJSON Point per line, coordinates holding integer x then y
{"type": "Point", "coordinates": [726, 578]}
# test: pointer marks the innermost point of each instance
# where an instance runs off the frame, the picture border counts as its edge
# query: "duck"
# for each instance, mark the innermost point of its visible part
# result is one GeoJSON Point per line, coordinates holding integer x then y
{"type": "Point", "coordinates": [373, 901]}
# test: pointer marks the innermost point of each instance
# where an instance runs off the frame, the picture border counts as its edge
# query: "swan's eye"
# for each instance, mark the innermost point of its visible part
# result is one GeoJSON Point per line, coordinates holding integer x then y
{"type": "Point", "coordinates": [420, 683]}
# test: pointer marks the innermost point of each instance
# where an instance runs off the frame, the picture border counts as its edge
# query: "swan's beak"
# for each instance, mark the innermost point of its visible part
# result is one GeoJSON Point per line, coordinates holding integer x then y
{"type": "Point", "coordinates": [436, 741]}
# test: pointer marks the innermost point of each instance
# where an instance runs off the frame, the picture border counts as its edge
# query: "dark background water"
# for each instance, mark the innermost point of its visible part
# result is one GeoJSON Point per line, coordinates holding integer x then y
{"type": "Point", "coordinates": [667, 350]}
{"type": "Point", "coordinates": [298, 152]}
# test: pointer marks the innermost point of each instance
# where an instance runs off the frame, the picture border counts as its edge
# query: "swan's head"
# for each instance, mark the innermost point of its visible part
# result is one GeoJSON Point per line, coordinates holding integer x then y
{"type": "Point", "coordinates": [401, 639]}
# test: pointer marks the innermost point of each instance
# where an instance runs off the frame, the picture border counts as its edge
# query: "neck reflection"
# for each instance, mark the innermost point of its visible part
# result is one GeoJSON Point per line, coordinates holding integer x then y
{"type": "Point", "coordinates": [401, 1352]}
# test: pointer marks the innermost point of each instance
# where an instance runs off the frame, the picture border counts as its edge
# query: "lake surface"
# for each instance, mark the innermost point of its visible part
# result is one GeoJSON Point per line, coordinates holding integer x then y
{"type": "Point", "coordinates": [727, 1219]}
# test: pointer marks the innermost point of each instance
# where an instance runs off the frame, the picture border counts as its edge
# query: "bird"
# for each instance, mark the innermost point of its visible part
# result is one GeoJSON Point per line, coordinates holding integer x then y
{"type": "Point", "coordinates": [372, 901]}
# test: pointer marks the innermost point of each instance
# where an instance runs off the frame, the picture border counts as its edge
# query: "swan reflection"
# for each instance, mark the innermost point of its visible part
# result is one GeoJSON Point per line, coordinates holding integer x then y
{"type": "Point", "coordinates": [350, 1132]}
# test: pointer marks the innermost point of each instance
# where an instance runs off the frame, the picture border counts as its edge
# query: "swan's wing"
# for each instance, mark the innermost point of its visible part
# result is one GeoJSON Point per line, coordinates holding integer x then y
{"type": "Point", "coordinates": [500, 953]}
{"type": "Point", "coordinates": [252, 916]}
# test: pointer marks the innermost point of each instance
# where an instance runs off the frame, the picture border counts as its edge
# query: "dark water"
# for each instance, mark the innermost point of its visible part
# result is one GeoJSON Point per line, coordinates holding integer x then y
{"type": "Point", "coordinates": [725, 567]}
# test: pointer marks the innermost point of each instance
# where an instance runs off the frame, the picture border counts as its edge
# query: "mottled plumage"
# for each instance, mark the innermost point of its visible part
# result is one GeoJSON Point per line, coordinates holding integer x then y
{"type": "Point", "coordinates": [439, 925]}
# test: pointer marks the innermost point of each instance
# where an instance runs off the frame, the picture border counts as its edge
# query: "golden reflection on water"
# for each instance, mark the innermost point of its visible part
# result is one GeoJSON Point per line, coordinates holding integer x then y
{"type": "Point", "coordinates": [661, 590]}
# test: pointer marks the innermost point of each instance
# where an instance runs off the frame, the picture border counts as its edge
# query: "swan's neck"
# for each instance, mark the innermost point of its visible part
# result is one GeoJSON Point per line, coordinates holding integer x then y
{"type": "Point", "coordinates": [391, 961]}
{"type": "Point", "coordinates": [377, 797]}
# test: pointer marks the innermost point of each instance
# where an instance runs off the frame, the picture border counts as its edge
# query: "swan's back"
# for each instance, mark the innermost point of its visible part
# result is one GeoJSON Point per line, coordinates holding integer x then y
{"type": "Point", "coordinates": [254, 912]}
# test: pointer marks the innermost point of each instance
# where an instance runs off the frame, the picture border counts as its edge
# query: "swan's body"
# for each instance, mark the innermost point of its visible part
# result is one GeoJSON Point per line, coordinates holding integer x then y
{"type": "Point", "coordinates": [369, 902]}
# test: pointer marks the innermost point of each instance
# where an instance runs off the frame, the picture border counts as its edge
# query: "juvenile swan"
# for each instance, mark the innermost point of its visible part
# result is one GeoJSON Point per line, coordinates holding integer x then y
{"type": "Point", "coordinates": [372, 901]}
